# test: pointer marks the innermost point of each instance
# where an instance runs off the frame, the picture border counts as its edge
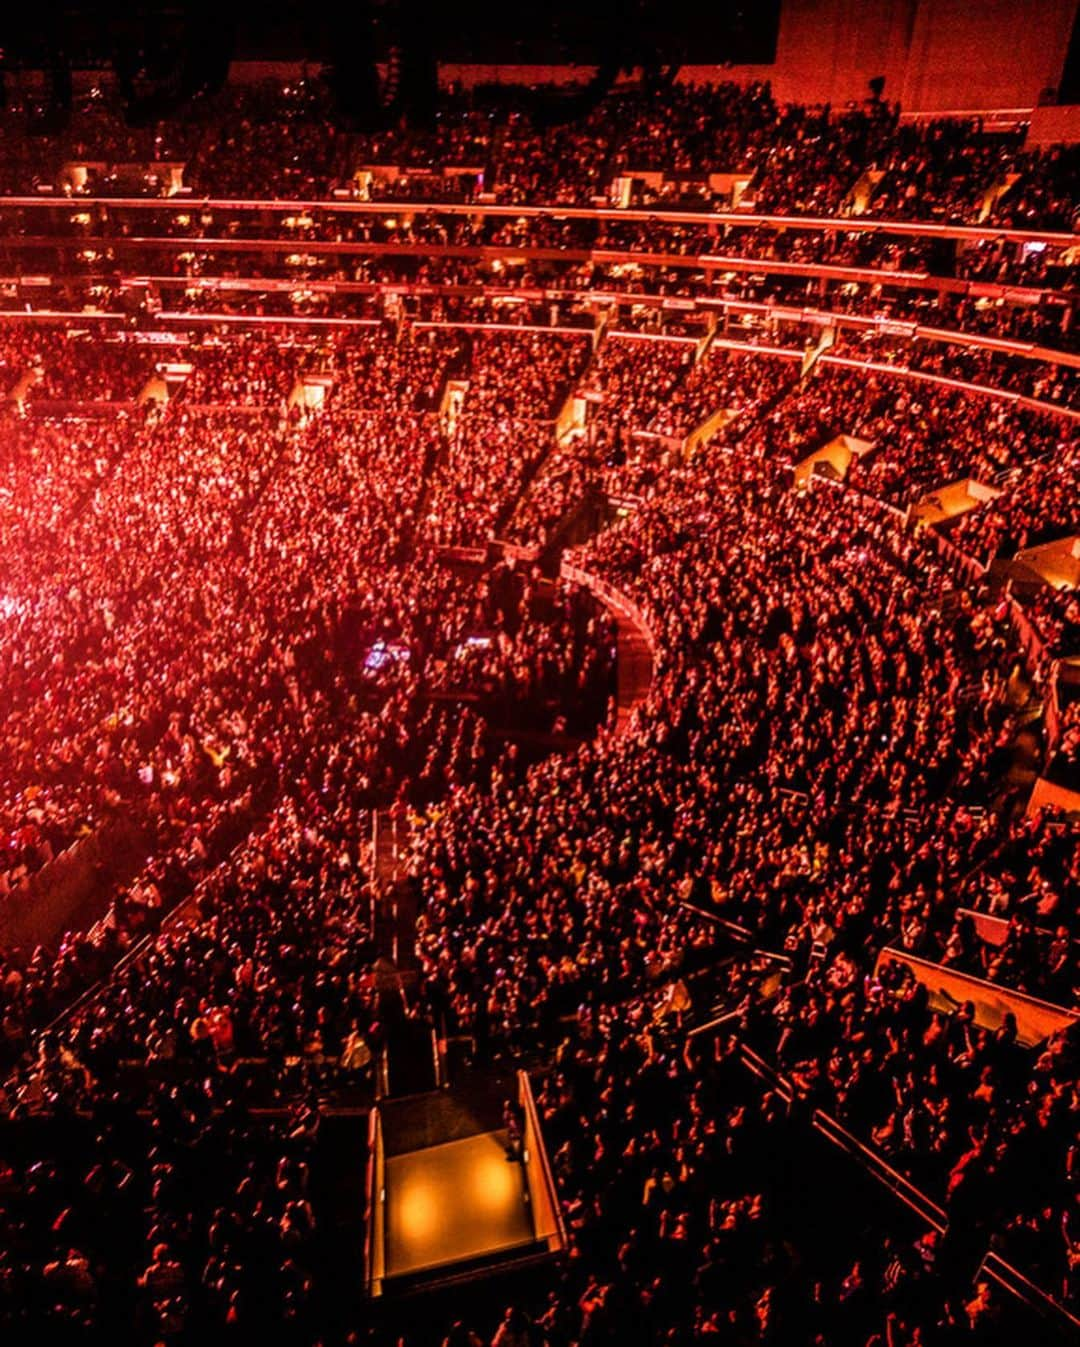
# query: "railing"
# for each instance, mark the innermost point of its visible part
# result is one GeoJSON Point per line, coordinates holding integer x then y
{"type": "Point", "coordinates": [709, 262]}
{"type": "Point", "coordinates": [613, 597]}
{"type": "Point", "coordinates": [824, 1123]}
{"type": "Point", "coordinates": [374, 1213]}
{"type": "Point", "coordinates": [1036, 1019]}
{"type": "Point", "coordinates": [1052, 708]}
{"type": "Point", "coordinates": [853, 224]}
{"type": "Point", "coordinates": [671, 338]}
{"type": "Point", "coordinates": [545, 1209]}
{"type": "Point", "coordinates": [1003, 1272]}
{"type": "Point", "coordinates": [993, 930]}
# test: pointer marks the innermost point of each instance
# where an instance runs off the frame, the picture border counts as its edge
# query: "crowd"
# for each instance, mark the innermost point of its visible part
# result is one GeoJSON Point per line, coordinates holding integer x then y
{"type": "Point", "coordinates": [812, 691]}
{"type": "Point", "coordinates": [818, 157]}
{"type": "Point", "coordinates": [368, 373]}
{"type": "Point", "coordinates": [924, 437]}
{"type": "Point", "coordinates": [251, 371]}
{"type": "Point", "coordinates": [284, 140]}
{"type": "Point", "coordinates": [264, 629]}
{"type": "Point", "coordinates": [679, 1168]}
{"type": "Point", "coordinates": [640, 398]}
{"type": "Point", "coordinates": [184, 582]}
{"type": "Point", "coordinates": [325, 262]}
{"type": "Point", "coordinates": [73, 365]}
{"type": "Point", "coordinates": [137, 231]}
{"type": "Point", "coordinates": [921, 440]}
{"type": "Point", "coordinates": [163, 1251]}
{"type": "Point", "coordinates": [949, 168]}
{"type": "Point", "coordinates": [1040, 506]}
{"type": "Point", "coordinates": [242, 623]}
{"type": "Point", "coordinates": [503, 430]}
{"type": "Point", "coordinates": [884, 270]}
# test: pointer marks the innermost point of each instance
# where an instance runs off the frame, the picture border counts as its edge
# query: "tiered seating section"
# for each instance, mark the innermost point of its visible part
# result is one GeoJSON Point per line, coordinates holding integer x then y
{"type": "Point", "coordinates": [242, 621]}
{"type": "Point", "coordinates": [281, 141]}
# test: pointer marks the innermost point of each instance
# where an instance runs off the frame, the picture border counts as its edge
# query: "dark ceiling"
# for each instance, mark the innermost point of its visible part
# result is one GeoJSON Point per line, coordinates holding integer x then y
{"type": "Point", "coordinates": [585, 31]}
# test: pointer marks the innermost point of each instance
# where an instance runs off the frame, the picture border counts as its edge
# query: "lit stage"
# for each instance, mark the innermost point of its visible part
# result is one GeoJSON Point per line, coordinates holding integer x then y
{"type": "Point", "coordinates": [444, 1203]}
{"type": "Point", "coordinates": [455, 1202]}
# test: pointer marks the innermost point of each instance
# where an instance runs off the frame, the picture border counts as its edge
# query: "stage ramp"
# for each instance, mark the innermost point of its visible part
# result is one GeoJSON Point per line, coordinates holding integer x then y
{"type": "Point", "coordinates": [450, 1197]}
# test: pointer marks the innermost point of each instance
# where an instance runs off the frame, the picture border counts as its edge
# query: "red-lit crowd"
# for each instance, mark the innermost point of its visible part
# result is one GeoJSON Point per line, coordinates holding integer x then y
{"type": "Point", "coordinates": [229, 625]}
{"type": "Point", "coordinates": [284, 140]}
{"type": "Point", "coordinates": [805, 766]}
{"type": "Point", "coordinates": [182, 584]}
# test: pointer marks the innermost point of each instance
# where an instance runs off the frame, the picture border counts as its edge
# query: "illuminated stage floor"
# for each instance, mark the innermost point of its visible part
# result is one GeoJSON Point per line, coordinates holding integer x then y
{"type": "Point", "coordinates": [451, 1203]}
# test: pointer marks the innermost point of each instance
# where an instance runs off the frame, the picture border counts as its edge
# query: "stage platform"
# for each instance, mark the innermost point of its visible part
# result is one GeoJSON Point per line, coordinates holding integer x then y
{"type": "Point", "coordinates": [447, 1200]}
{"type": "Point", "coordinates": [455, 1203]}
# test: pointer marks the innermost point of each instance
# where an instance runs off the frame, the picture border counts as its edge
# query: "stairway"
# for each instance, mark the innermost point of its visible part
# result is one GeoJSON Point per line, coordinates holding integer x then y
{"type": "Point", "coordinates": [396, 904]}
{"type": "Point", "coordinates": [580, 522]}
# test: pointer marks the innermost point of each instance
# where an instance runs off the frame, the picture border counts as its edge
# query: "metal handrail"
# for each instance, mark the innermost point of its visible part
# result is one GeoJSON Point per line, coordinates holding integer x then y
{"type": "Point", "coordinates": [855, 224]}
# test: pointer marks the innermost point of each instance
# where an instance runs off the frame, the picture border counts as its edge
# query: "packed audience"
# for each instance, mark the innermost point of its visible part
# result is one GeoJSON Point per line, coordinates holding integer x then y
{"type": "Point", "coordinates": [284, 140]}
{"type": "Point", "coordinates": [251, 371]}
{"type": "Point", "coordinates": [818, 813]}
{"type": "Point", "coordinates": [236, 626]}
{"type": "Point", "coordinates": [126, 558]}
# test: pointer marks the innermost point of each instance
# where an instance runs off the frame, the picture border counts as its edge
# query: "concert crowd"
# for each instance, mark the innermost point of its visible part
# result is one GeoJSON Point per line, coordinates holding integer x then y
{"type": "Point", "coordinates": [263, 590]}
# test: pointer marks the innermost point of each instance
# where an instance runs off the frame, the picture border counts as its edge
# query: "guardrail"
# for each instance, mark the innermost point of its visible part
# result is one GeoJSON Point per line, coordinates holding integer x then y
{"type": "Point", "coordinates": [1036, 1019]}
{"type": "Point", "coordinates": [374, 1215]}
{"type": "Point", "coordinates": [854, 224]}
{"type": "Point", "coordinates": [1004, 1273]}
{"type": "Point", "coordinates": [769, 311]}
{"type": "Point", "coordinates": [545, 1209]}
{"type": "Point", "coordinates": [709, 262]}
{"type": "Point", "coordinates": [613, 597]}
